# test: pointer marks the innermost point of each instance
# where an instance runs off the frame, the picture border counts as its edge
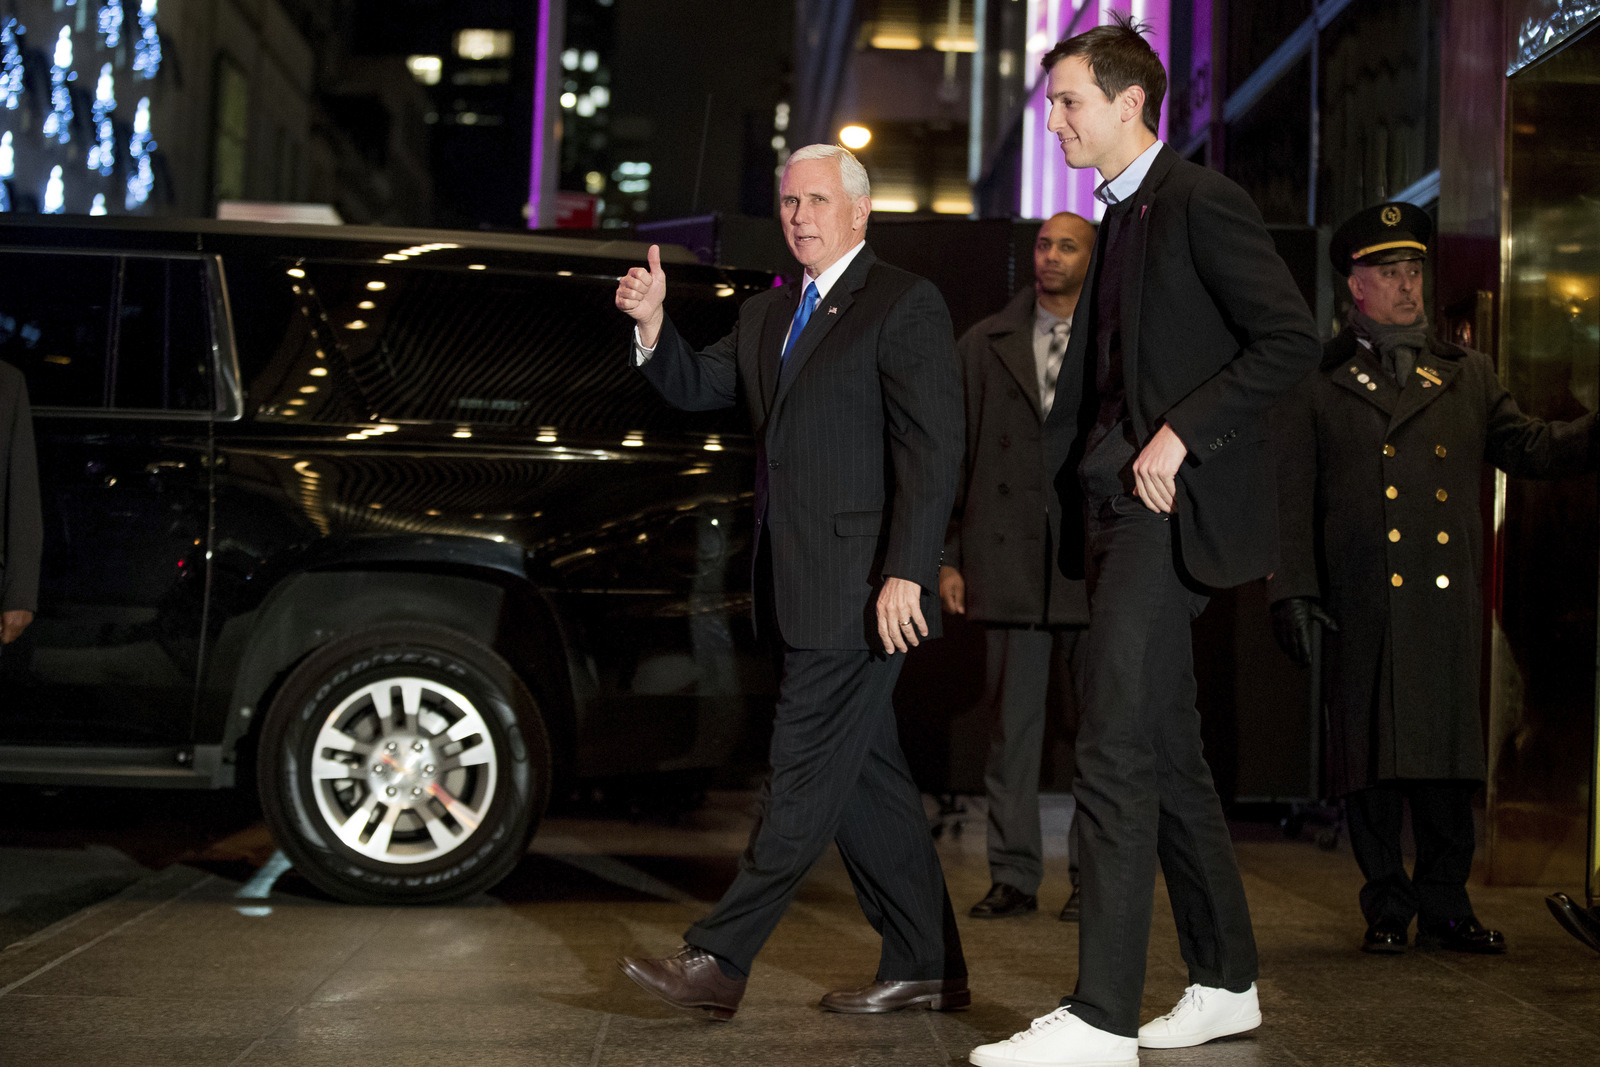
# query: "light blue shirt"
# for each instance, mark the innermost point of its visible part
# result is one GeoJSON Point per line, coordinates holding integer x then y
{"type": "Point", "coordinates": [1124, 185]}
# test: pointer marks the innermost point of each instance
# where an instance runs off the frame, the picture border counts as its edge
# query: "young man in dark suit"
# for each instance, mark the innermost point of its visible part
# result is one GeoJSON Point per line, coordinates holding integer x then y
{"type": "Point", "coordinates": [1000, 567]}
{"type": "Point", "coordinates": [21, 525]}
{"type": "Point", "coordinates": [1194, 328]}
{"type": "Point", "coordinates": [849, 374]}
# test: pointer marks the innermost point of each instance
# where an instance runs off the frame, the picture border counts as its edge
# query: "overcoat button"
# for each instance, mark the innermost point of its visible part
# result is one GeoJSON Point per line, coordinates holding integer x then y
{"type": "Point", "coordinates": [1439, 450]}
{"type": "Point", "coordinates": [1396, 581]}
{"type": "Point", "coordinates": [1394, 535]}
{"type": "Point", "coordinates": [1391, 492]}
{"type": "Point", "coordinates": [1441, 496]}
{"type": "Point", "coordinates": [1005, 490]}
{"type": "Point", "coordinates": [1444, 538]}
{"type": "Point", "coordinates": [772, 464]}
{"type": "Point", "coordinates": [1388, 450]}
{"type": "Point", "coordinates": [1005, 440]}
{"type": "Point", "coordinates": [1443, 582]}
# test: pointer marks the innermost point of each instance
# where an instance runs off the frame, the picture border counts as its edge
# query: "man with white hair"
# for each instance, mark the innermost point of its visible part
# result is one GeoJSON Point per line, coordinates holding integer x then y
{"type": "Point", "coordinates": [850, 376]}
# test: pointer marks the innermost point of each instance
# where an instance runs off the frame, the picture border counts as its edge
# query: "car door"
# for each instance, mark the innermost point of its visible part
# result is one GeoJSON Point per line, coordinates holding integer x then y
{"type": "Point", "coordinates": [118, 355]}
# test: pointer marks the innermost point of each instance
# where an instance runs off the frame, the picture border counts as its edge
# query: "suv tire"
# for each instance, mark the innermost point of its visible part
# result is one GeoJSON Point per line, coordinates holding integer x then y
{"type": "Point", "coordinates": [429, 799]}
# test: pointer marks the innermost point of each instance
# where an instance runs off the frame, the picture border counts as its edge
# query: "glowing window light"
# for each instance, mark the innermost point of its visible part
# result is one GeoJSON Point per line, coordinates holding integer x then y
{"type": "Point", "coordinates": [427, 70]}
{"type": "Point", "coordinates": [8, 156]}
{"type": "Point", "coordinates": [58, 124]}
{"type": "Point", "coordinates": [101, 153]}
{"type": "Point", "coordinates": [11, 65]}
{"type": "Point", "coordinates": [55, 193]}
{"type": "Point", "coordinates": [147, 49]}
{"type": "Point", "coordinates": [99, 205]}
{"type": "Point", "coordinates": [140, 145]}
{"type": "Point", "coordinates": [109, 23]}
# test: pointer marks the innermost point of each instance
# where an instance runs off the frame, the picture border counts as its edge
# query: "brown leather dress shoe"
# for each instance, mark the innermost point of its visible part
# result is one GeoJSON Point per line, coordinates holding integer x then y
{"type": "Point", "coordinates": [690, 978]}
{"type": "Point", "coordinates": [937, 994]}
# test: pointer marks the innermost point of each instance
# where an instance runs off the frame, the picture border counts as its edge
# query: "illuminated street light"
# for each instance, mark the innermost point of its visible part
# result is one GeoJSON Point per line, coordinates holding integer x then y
{"type": "Point", "coordinates": [855, 137]}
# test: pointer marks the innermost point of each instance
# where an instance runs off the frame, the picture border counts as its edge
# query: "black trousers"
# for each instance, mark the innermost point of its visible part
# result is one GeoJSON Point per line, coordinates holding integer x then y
{"type": "Point", "coordinates": [1143, 788]}
{"type": "Point", "coordinates": [1016, 691]}
{"type": "Point", "coordinates": [838, 775]}
{"type": "Point", "coordinates": [1441, 823]}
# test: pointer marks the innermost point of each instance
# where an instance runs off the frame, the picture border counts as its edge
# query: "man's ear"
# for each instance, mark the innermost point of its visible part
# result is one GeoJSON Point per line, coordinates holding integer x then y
{"type": "Point", "coordinates": [1357, 290]}
{"type": "Point", "coordinates": [858, 215]}
{"type": "Point", "coordinates": [1133, 103]}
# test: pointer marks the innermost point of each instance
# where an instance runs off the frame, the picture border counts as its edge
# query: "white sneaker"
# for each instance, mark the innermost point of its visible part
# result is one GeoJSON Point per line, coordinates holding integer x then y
{"type": "Point", "coordinates": [1059, 1039]}
{"type": "Point", "coordinates": [1203, 1014]}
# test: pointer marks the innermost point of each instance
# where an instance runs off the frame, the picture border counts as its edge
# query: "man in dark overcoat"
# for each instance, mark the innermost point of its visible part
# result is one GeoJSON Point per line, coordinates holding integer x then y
{"type": "Point", "coordinates": [21, 524]}
{"type": "Point", "coordinates": [1000, 567]}
{"type": "Point", "coordinates": [1380, 463]}
{"type": "Point", "coordinates": [849, 376]}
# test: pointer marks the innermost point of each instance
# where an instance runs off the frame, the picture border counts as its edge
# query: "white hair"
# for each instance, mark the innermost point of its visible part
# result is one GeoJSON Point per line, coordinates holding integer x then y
{"type": "Point", "coordinates": [851, 173]}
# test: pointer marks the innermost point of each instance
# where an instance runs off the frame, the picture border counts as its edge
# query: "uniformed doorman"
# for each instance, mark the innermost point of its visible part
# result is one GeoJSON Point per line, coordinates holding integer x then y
{"type": "Point", "coordinates": [1381, 454]}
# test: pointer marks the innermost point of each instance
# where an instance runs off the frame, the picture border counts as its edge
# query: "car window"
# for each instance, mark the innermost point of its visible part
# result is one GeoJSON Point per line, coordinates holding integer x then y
{"type": "Point", "coordinates": [54, 325]}
{"type": "Point", "coordinates": [163, 351]}
{"type": "Point", "coordinates": [470, 348]}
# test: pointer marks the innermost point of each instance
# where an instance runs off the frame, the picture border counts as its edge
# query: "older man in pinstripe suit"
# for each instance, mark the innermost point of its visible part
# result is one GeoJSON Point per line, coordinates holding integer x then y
{"type": "Point", "coordinates": [852, 384]}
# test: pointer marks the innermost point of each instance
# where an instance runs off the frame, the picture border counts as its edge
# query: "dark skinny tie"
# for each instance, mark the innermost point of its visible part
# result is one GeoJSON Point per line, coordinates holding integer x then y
{"type": "Point", "coordinates": [802, 315]}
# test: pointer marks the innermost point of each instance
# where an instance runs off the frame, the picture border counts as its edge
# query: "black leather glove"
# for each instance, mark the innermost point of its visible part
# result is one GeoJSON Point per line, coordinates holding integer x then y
{"type": "Point", "coordinates": [1291, 625]}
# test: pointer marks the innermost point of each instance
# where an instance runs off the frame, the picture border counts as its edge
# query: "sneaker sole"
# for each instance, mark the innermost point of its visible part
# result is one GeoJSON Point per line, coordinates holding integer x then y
{"type": "Point", "coordinates": [978, 1059]}
{"type": "Point", "coordinates": [1191, 1040]}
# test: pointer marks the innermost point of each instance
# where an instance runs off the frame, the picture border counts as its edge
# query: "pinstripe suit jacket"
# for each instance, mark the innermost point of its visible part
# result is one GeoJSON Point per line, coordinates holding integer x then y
{"type": "Point", "coordinates": [859, 441]}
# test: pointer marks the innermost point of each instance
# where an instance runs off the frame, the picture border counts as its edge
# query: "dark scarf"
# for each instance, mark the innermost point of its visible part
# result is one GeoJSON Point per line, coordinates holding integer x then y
{"type": "Point", "coordinates": [1398, 345]}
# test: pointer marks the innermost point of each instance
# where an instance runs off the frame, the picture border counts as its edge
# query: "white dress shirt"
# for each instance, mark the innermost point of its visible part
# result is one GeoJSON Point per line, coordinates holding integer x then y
{"type": "Point", "coordinates": [823, 282]}
{"type": "Point", "coordinates": [1127, 183]}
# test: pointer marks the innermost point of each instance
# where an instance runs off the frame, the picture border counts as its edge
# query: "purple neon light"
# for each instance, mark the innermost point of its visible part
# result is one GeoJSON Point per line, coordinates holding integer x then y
{"type": "Point", "coordinates": [541, 88]}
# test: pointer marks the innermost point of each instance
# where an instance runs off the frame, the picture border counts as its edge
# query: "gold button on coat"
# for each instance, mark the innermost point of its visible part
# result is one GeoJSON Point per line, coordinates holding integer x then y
{"type": "Point", "coordinates": [1441, 496]}
{"type": "Point", "coordinates": [1444, 538]}
{"type": "Point", "coordinates": [1443, 582]}
{"type": "Point", "coordinates": [1439, 450]}
{"type": "Point", "coordinates": [1388, 450]}
{"type": "Point", "coordinates": [1394, 535]}
{"type": "Point", "coordinates": [1391, 492]}
{"type": "Point", "coordinates": [1396, 580]}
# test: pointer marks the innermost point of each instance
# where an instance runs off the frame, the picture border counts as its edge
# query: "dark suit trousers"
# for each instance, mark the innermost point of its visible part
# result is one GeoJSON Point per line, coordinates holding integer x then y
{"type": "Point", "coordinates": [1017, 691]}
{"type": "Point", "coordinates": [1143, 789]}
{"type": "Point", "coordinates": [1441, 824]}
{"type": "Point", "coordinates": [838, 775]}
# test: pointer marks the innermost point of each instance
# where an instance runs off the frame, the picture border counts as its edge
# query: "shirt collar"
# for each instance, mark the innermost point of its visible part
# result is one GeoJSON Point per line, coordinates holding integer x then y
{"type": "Point", "coordinates": [1127, 183]}
{"type": "Point", "coordinates": [1045, 321]}
{"type": "Point", "coordinates": [825, 280]}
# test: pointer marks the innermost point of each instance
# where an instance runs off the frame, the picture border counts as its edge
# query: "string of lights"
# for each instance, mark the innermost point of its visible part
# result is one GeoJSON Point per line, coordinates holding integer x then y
{"type": "Point", "coordinates": [73, 137]}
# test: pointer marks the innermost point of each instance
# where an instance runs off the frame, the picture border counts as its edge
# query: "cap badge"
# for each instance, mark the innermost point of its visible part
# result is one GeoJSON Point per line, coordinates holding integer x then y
{"type": "Point", "coordinates": [1390, 216]}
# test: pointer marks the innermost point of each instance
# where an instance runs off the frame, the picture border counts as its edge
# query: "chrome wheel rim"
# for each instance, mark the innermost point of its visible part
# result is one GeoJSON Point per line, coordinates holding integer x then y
{"type": "Point", "coordinates": [404, 770]}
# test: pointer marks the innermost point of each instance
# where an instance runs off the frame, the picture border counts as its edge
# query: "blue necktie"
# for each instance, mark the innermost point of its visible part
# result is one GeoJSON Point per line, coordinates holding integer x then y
{"type": "Point", "coordinates": [802, 315]}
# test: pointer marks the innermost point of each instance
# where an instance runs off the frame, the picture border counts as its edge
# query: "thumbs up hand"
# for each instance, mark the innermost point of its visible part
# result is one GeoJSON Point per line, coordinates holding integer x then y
{"type": "Point", "coordinates": [639, 296]}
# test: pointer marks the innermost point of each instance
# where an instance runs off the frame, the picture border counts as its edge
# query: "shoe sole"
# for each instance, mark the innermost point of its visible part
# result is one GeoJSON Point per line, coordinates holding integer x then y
{"type": "Point", "coordinates": [1191, 1040]}
{"type": "Point", "coordinates": [717, 1013]}
{"type": "Point", "coordinates": [1434, 944]}
{"type": "Point", "coordinates": [978, 1059]}
{"type": "Point", "coordinates": [932, 1002]}
{"type": "Point", "coordinates": [1383, 950]}
{"type": "Point", "coordinates": [1002, 914]}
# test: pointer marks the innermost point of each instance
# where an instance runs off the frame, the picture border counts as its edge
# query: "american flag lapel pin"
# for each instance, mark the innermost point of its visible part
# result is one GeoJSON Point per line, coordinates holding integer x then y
{"type": "Point", "coordinates": [832, 310]}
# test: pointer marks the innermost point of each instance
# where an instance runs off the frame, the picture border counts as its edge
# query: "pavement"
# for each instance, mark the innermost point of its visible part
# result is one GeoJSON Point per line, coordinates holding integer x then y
{"type": "Point", "coordinates": [228, 958]}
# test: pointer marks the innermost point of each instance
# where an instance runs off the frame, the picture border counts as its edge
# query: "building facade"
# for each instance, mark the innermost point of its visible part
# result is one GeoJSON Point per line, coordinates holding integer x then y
{"type": "Point", "coordinates": [167, 107]}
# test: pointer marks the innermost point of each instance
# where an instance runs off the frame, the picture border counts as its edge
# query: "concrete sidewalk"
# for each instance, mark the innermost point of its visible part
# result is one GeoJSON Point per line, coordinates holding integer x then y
{"type": "Point", "coordinates": [214, 963]}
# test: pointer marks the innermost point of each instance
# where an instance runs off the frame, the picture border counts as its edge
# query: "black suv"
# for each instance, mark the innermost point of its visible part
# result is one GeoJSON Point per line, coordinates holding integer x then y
{"type": "Point", "coordinates": [377, 519]}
